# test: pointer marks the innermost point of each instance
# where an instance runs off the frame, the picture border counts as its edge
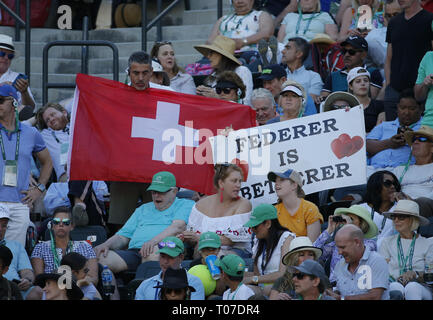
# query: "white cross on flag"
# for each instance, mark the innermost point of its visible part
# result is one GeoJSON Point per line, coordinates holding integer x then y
{"type": "Point", "coordinates": [122, 134]}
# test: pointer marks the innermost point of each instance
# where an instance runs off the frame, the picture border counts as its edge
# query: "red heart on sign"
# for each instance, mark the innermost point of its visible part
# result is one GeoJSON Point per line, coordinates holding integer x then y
{"type": "Point", "coordinates": [243, 165]}
{"type": "Point", "coordinates": [344, 146]}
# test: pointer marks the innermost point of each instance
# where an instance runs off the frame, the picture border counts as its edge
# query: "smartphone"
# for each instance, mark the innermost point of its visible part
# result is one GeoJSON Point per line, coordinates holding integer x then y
{"type": "Point", "coordinates": [338, 219]}
{"type": "Point", "coordinates": [16, 281]}
{"type": "Point", "coordinates": [20, 76]}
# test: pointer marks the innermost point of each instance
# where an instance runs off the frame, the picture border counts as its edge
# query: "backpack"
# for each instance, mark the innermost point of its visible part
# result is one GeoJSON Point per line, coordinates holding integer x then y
{"type": "Point", "coordinates": [324, 63]}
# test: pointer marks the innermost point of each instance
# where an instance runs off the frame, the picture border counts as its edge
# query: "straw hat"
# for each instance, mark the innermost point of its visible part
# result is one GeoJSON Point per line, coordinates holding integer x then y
{"type": "Point", "coordinates": [223, 45]}
{"type": "Point", "coordinates": [322, 38]}
{"type": "Point", "coordinates": [301, 244]}
{"type": "Point", "coordinates": [340, 95]}
{"type": "Point", "coordinates": [424, 131]}
{"type": "Point", "coordinates": [409, 208]}
{"type": "Point", "coordinates": [362, 213]}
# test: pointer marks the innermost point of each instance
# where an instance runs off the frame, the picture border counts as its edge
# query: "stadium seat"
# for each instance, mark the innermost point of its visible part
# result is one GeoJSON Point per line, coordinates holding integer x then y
{"type": "Point", "coordinates": [95, 234]}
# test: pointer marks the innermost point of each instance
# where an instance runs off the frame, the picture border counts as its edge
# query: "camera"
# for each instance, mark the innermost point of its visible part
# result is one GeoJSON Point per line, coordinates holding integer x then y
{"type": "Point", "coordinates": [338, 219]}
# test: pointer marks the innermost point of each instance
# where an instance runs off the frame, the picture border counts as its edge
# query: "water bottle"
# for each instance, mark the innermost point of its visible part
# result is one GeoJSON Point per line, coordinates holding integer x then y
{"type": "Point", "coordinates": [428, 274]}
{"type": "Point", "coordinates": [214, 270]}
{"type": "Point", "coordinates": [107, 278]}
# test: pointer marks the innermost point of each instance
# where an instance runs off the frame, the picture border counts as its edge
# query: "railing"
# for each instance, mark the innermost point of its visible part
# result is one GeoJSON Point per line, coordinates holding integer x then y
{"type": "Point", "coordinates": [46, 85]}
{"type": "Point", "coordinates": [18, 23]}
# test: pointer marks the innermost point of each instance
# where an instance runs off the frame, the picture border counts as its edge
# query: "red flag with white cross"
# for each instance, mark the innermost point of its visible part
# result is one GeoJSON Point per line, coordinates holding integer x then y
{"type": "Point", "coordinates": [123, 134]}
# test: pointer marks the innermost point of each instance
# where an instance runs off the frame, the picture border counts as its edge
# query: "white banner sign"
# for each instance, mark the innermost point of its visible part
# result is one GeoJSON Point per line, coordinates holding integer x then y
{"type": "Point", "coordinates": [327, 149]}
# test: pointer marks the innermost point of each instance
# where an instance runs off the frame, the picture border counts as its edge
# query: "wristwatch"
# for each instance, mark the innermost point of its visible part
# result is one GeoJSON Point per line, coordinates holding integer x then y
{"type": "Point", "coordinates": [256, 279]}
{"type": "Point", "coordinates": [41, 187]}
{"type": "Point", "coordinates": [245, 41]}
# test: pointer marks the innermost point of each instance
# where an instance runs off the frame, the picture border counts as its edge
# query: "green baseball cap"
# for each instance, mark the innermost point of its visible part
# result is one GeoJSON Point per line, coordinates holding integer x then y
{"type": "Point", "coordinates": [162, 182]}
{"type": "Point", "coordinates": [172, 246]}
{"type": "Point", "coordinates": [261, 213]}
{"type": "Point", "coordinates": [209, 240]}
{"type": "Point", "coordinates": [231, 264]}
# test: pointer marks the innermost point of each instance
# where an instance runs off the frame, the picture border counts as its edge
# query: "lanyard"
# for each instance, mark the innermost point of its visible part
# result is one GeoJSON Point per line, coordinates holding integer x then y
{"type": "Point", "coordinates": [406, 167]}
{"type": "Point", "coordinates": [156, 291]}
{"type": "Point", "coordinates": [383, 220]}
{"type": "Point", "coordinates": [54, 136]}
{"type": "Point", "coordinates": [236, 291]}
{"type": "Point", "coordinates": [238, 24]}
{"type": "Point", "coordinates": [17, 148]}
{"type": "Point", "coordinates": [69, 248]}
{"type": "Point", "coordinates": [263, 264]}
{"type": "Point", "coordinates": [298, 24]}
{"type": "Point", "coordinates": [402, 261]}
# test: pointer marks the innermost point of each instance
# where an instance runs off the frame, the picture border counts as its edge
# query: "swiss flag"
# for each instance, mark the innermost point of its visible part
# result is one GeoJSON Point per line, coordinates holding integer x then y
{"type": "Point", "coordinates": [122, 134]}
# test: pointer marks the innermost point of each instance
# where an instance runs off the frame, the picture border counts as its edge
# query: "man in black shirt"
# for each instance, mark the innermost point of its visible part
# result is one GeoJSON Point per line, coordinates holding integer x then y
{"type": "Point", "coordinates": [409, 37]}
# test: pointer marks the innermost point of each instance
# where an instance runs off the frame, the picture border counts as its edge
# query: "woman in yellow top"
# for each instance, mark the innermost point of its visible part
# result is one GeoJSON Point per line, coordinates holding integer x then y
{"type": "Point", "coordinates": [300, 216]}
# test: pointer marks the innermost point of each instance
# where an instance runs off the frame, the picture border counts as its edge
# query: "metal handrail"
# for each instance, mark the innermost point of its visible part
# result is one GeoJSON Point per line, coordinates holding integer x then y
{"type": "Point", "coordinates": [46, 85]}
{"type": "Point", "coordinates": [26, 24]}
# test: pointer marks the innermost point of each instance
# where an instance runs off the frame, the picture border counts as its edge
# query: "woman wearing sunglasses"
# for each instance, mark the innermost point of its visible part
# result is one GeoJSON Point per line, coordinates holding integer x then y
{"type": "Point", "coordinates": [358, 80]}
{"type": "Point", "coordinates": [224, 213]}
{"type": "Point", "coordinates": [382, 191]}
{"type": "Point", "coordinates": [300, 249]}
{"type": "Point", "coordinates": [180, 81]}
{"type": "Point", "coordinates": [47, 255]}
{"type": "Point", "coordinates": [356, 215]}
{"type": "Point", "coordinates": [407, 253]}
{"type": "Point", "coordinates": [230, 87]}
{"type": "Point", "coordinates": [175, 285]}
{"type": "Point", "coordinates": [80, 269]}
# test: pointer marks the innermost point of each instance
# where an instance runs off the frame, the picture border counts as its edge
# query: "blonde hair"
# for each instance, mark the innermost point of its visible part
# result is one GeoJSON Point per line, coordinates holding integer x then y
{"type": "Point", "coordinates": [318, 7]}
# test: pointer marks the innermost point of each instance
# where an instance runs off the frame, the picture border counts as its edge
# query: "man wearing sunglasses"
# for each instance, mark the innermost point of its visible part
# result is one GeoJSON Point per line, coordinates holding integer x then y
{"type": "Point", "coordinates": [18, 144]}
{"type": "Point", "coordinates": [150, 223]}
{"type": "Point", "coordinates": [171, 254]}
{"type": "Point", "coordinates": [7, 76]}
{"type": "Point", "coordinates": [354, 51]}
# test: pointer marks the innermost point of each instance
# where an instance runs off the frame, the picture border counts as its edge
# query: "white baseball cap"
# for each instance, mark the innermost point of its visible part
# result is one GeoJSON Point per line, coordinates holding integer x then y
{"type": "Point", "coordinates": [357, 72]}
{"type": "Point", "coordinates": [156, 66]}
{"type": "Point", "coordinates": [4, 211]}
{"type": "Point", "coordinates": [6, 42]}
{"type": "Point", "coordinates": [292, 89]}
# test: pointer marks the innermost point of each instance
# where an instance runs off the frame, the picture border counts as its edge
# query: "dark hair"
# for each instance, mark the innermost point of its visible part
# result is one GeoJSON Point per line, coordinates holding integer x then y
{"type": "Point", "coordinates": [6, 256]}
{"type": "Point", "coordinates": [162, 293]}
{"type": "Point", "coordinates": [222, 171]}
{"type": "Point", "coordinates": [154, 55]}
{"type": "Point", "coordinates": [321, 286]}
{"type": "Point", "coordinates": [274, 234]}
{"type": "Point", "coordinates": [63, 209]}
{"type": "Point", "coordinates": [231, 76]}
{"type": "Point", "coordinates": [75, 260]}
{"type": "Point", "coordinates": [407, 93]}
{"type": "Point", "coordinates": [139, 57]}
{"type": "Point", "coordinates": [235, 278]}
{"type": "Point", "coordinates": [301, 45]}
{"type": "Point", "coordinates": [373, 195]}
{"type": "Point", "coordinates": [225, 64]}
{"type": "Point", "coordinates": [40, 123]}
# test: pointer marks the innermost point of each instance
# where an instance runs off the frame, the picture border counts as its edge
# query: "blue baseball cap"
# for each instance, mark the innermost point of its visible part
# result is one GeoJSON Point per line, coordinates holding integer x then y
{"type": "Point", "coordinates": [7, 90]}
{"type": "Point", "coordinates": [273, 71]}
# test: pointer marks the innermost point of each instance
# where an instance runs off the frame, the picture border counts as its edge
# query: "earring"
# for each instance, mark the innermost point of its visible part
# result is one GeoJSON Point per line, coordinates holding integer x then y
{"type": "Point", "coordinates": [221, 195]}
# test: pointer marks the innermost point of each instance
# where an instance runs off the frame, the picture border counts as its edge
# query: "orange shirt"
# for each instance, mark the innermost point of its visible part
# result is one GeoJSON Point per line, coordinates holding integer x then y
{"type": "Point", "coordinates": [307, 214]}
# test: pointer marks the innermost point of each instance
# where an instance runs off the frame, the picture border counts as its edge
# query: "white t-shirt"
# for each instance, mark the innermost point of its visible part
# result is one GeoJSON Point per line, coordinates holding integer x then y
{"type": "Point", "coordinates": [242, 293]}
{"type": "Point", "coordinates": [273, 264]}
{"type": "Point", "coordinates": [422, 255]}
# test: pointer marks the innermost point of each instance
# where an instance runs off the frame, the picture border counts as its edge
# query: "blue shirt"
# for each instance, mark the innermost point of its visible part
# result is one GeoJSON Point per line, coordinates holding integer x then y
{"type": "Point", "coordinates": [310, 108]}
{"type": "Point", "coordinates": [146, 222]}
{"type": "Point", "coordinates": [146, 290]}
{"type": "Point", "coordinates": [337, 80]}
{"type": "Point", "coordinates": [390, 157]}
{"type": "Point", "coordinates": [371, 264]}
{"type": "Point", "coordinates": [19, 262]}
{"type": "Point", "coordinates": [310, 80]}
{"type": "Point", "coordinates": [30, 142]}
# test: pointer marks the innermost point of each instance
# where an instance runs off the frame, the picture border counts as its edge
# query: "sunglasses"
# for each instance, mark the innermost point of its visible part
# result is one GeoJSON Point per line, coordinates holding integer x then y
{"type": "Point", "coordinates": [166, 244]}
{"type": "Point", "coordinates": [176, 291]}
{"type": "Point", "coordinates": [399, 217]}
{"type": "Point", "coordinates": [299, 275]}
{"type": "Point", "coordinates": [86, 270]}
{"type": "Point", "coordinates": [336, 107]}
{"type": "Point", "coordinates": [420, 139]}
{"type": "Point", "coordinates": [389, 183]}
{"type": "Point", "coordinates": [225, 90]}
{"type": "Point", "coordinates": [9, 55]}
{"type": "Point", "coordinates": [161, 43]}
{"type": "Point", "coordinates": [352, 52]}
{"type": "Point", "coordinates": [65, 221]}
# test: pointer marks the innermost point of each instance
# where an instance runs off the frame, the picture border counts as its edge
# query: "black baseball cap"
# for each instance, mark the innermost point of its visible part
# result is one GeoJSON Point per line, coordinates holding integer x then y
{"type": "Point", "coordinates": [273, 71]}
{"type": "Point", "coordinates": [356, 42]}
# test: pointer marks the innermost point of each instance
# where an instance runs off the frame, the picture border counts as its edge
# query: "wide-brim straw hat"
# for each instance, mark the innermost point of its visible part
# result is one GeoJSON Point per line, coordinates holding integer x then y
{"type": "Point", "coordinates": [362, 213]}
{"type": "Point", "coordinates": [340, 95]}
{"type": "Point", "coordinates": [322, 38]}
{"type": "Point", "coordinates": [223, 45]}
{"type": "Point", "coordinates": [424, 131]}
{"type": "Point", "coordinates": [301, 244]}
{"type": "Point", "coordinates": [409, 208]}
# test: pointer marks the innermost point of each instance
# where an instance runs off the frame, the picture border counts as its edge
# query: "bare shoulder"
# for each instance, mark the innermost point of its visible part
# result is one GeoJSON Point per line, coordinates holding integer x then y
{"type": "Point", "coordinates": [203, 204]}
{"type": "Point", "coordinates": [244, 206]}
